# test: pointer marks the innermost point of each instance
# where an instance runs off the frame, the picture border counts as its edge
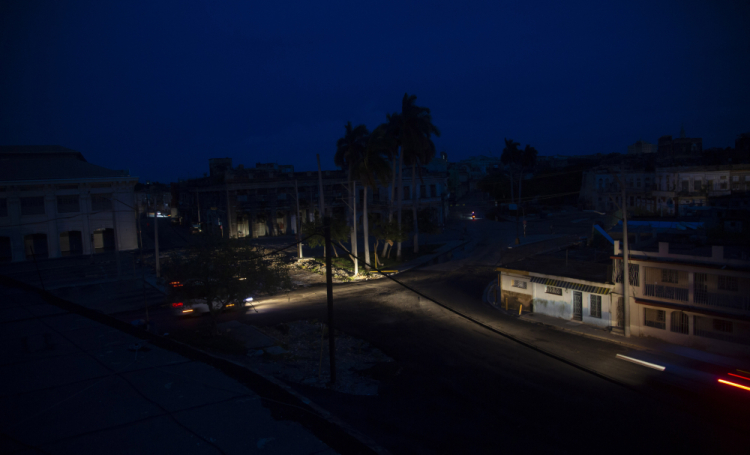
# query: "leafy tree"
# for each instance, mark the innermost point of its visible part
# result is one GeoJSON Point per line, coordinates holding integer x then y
{"type": "Point", "coordinates": [222, 271]}
{"type": "Point", "coordinates": [314, 230]}
{"type": "Point", "coordinates": [417, 149]}
{"type": "Point", "coordinates": [349, 152]}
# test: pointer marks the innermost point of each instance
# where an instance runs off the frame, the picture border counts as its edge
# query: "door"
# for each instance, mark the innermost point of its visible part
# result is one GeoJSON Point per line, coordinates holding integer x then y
{"type": "Point", "coordinates": [577, 306]}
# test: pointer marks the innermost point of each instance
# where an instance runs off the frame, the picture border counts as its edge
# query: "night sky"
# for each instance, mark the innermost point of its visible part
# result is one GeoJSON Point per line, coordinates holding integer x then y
{"type": "Point", "coordinates": [158, 87]}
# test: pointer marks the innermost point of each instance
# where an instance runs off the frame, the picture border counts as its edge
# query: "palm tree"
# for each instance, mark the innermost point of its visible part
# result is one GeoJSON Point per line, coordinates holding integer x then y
{"type": "Point", "coordinates": [389, 139]}
{"type": "Point", "coordinates": [349, 152]}
{"type": "Point", "coordinates": [417, 149]}
{"type": "Point", "coordinates": [373, 169]}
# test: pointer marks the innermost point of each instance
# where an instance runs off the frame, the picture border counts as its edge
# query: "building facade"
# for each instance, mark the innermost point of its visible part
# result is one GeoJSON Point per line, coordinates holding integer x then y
{"type": "Point", "coordinates": [691, 296]}
{"type": "Point", "coordinates": [271, 199]}
{"type": "Point", "coordinates": [54, 203]}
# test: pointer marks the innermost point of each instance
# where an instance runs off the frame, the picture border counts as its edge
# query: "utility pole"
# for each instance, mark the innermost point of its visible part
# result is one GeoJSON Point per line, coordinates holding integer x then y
{"type": "Point", "coordinates": [329, 291]}
{"type": "Point", "coordinates": [625, 264]}
{"type": "Point", "coordinates": [156, 240]}
{"type": "Point", "coordinates": [298, 222]}
{"type": "Point", "coordinates": [117, 242]}
{"type": "Point", "coordinates": [320, 190]}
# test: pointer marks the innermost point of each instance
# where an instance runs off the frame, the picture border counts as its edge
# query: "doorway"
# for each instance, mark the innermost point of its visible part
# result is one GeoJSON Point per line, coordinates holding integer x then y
{"type": "Point", "coordinates": [577, 306]}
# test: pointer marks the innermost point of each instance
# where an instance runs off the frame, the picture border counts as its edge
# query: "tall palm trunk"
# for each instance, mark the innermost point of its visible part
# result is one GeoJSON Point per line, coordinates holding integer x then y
{"type": "Point", "coordinates": [400, 190]}
{"type": "Point", "coordinates": [414, 200]}
{"type": "Point", "coordinates": [393, 185]}
{"type": "Point", "coordinates": [366, 229]}
{"type": "Point", "coordinates": [354, 226]}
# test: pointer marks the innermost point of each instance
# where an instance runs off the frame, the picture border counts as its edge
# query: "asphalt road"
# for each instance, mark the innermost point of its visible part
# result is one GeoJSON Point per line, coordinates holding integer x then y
{"type": "Point", "coordinates": [460, 387]}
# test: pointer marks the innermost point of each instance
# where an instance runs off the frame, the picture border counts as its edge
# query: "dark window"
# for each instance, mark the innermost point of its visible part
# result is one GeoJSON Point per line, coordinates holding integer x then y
{"type": "Point", "coordinates": [728, 283]}
{"type": "Point", "coordinates": [655, 318]}
{"type": "Point", "coordinates": [669, 276]}
{"type": "Point", "coordinates": [3, 207]}
{"type": "Point", "coordinates": [407, 194]}
{"type": "Point", "coordinates": [553, 290]}
{"type": "Point", "coordinates": [721, 325]}
{"type": "Point", "coordinates": [679, 322]}
{"type": "Point", "coordinates": [433, 190]}
{"type": "Point", "coordinates": [595, 306]}
{"type": "Point", "coordinates": [32, 205]}
{"type": "Point", "coordinates": [68, 204]}
{"type": "Point", "coordinates": [101, 202]}
{"type": "Point", "coordinates": [422, 191]}
{"type": "Point", "coordinates": [685, 185]}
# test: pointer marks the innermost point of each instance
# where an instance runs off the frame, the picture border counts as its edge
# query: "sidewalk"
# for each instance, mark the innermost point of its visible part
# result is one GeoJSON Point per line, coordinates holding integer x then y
{"type": "Point", "coordinates": [78, 381]}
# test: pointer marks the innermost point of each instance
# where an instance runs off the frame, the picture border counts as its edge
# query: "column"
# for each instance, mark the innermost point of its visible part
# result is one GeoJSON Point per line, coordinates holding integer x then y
{"type": "Point", "coordinates": [50, 211]}
{"type": "Point", "coordinates": [86, 233]}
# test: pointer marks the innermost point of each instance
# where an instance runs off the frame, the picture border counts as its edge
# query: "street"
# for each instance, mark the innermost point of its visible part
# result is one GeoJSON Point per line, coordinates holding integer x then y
{"type": "Point", "coordinates": [458, 387]}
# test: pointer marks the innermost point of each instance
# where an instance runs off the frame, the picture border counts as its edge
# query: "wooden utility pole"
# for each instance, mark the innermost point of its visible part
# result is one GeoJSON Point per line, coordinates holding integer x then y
{"type": "Point", "coordinates": [322, 203]}
{"type": "Point", "coordinates": [329, 290]}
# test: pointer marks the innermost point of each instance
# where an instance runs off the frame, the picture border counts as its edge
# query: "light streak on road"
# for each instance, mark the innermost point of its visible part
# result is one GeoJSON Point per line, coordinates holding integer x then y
{"type": "Point", "coordinates": [734, 385]}
{"type": "Point", "coordinates": [641, 362]}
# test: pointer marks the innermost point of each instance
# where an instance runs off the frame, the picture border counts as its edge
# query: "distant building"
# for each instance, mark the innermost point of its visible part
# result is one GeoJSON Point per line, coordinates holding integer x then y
{"type": "Point", "coordinates": [54, 203]}
{"type": "Point", "coordinates": [680, 147]}
{"type": "Point", "coordinates": [641, 147]}
{"type": "Point", "coordinates": [236, 201]}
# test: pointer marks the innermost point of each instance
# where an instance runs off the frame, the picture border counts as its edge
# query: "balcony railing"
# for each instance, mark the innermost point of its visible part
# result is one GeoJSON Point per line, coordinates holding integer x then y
{"type": "Point", "coordinates": [737, 302]}
{"type": "Point", "coordinates": [666, 292]}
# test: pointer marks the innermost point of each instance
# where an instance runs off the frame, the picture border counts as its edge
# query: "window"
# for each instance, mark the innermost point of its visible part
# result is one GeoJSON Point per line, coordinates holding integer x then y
{"type": "Point", "coordinates": [685, 185]}
{"type": "Point", "coordinates": [3, 207]}
{"type": "Point", "coordinates": [697, 184]}
{"type": "Point", "coordinates": [595, 306]}
{"type": "Point", "coordinates": [710, 184]}
{"type": "Point", "coordinates": [728, 283]}
{"type": "Point", "coordinates": [669, 276]}
{"type": "Point", "coordinates": [433, 190]}
{"type": "Point", "coordinates": [655, 318]}
{"type": "Point", "coordinates": [32, 205]}
{"type": "Point", "coordinates": [735, 178]}
{"type": "Point", "coordinates": [68, 204]}
{"type": "Point", "coordinates": [406, 193]}
{"type": "Point", "coordinates": [520, 284]}
{"type": "Point", "coordinates": [633, 275]}
{"type": "Point", "coordinates": [422, 191]}
{"type": "Point", "coordinates": [679, 322]}
{"type": "Point", "coordinates": [553, 290]}
{"type": "Point", "coordinates": [101, 202]}
{"type": "Point", "coordinates": [720, 325]}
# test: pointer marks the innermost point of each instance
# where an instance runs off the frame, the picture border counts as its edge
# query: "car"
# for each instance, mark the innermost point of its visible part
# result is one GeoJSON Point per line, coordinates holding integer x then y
{"type": "Point", "coordinates": [198, 306]}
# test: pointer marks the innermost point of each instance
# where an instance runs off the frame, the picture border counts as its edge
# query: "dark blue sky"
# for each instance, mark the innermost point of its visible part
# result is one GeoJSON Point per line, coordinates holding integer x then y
{"type": "Point", "coordinates": [158, 87]}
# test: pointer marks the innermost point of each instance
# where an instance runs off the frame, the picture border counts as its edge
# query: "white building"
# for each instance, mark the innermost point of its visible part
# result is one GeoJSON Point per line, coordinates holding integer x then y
{"type": "Point", "coordinates": [54, 203]}
{"type": "Point", "coordinates": [550, 285]}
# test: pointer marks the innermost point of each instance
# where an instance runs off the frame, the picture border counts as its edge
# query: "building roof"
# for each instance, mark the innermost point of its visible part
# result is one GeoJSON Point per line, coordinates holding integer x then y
{"type": "Point", "coordinates": [39, 151]}
{"type": "Point", "coordinates": [583, 263]}
{"type": "Point", "coordinates": [49, 162]}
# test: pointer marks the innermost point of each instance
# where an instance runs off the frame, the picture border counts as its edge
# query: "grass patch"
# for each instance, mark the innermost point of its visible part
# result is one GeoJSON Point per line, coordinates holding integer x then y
{"type": "Point", "coordinates": [203, 339]}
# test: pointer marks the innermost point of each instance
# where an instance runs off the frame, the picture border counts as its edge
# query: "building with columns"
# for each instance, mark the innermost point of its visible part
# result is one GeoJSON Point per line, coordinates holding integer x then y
{"type": "Point", "coordinates": [236, 201]}
{"type": "Point", "coordinates": [54, 203]}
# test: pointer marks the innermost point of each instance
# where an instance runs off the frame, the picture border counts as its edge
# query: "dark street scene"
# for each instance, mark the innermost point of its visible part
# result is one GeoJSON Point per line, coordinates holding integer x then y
{"type": "Point", "coordinates": [390, 228]}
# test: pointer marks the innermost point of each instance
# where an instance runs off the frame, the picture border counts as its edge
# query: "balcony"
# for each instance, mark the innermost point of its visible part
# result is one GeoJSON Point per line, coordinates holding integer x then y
{"type": "Point", "coordinates": [666, 292]}
{"type": "Point", "coordinates": [735, 302]}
